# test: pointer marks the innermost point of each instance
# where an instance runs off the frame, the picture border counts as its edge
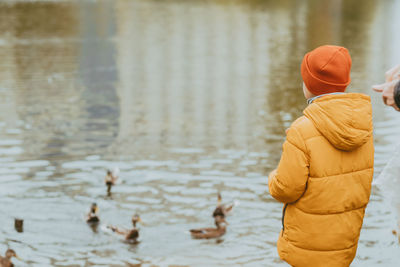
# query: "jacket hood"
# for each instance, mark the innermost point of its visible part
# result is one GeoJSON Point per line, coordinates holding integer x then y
{"type": "Point", "coordinates": [344, 119]}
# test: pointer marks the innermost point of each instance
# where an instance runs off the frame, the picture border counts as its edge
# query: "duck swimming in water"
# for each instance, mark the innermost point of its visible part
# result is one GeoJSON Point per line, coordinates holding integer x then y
{"type": "Point", "coordinates": [132, 235]}
{"type": "Point", "coordinates": [92, 216]}
{"type": "Point", "coordinates": [19, 225]}
{"type": "Point", "coordinates": [223, 209]}
{"type": "Point", "coordinates": [111, 178]}
{"type": "Point", "coordinates": [207, 233]}
{"type": "Point", "coordinates": [6, 261]}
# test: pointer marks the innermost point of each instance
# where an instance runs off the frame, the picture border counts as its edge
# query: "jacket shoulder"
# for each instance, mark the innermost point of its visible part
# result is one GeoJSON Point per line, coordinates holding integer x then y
{"type": "Point", "coordinates": [305, 127]}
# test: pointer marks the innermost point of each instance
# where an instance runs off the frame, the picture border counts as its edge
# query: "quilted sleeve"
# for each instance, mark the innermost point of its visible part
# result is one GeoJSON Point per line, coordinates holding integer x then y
{"type": "Point", "coordinates": [288, 182]}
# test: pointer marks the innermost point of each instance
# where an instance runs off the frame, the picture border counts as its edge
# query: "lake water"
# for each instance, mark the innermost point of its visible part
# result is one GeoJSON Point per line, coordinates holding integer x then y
{"type": "Point", "coordinates": [187, 98]}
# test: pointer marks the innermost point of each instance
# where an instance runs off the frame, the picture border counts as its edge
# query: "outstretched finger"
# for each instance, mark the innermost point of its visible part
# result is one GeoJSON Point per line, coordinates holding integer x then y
{"type": "Point", "coordinates": [379, 87]}
{"type": "Point", "coordinates": [385, 86]}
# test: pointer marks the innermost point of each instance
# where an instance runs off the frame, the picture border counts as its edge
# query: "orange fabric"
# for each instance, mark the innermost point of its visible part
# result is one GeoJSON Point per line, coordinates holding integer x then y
{"type": "Point", "coordinates": [324, 178]}
{"type": "Point", "coordinates": [326, 69]}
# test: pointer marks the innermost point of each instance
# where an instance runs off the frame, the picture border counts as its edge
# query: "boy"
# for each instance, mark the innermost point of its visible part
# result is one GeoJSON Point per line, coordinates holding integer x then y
{"type": "Point", "coordinates": [325, 172]}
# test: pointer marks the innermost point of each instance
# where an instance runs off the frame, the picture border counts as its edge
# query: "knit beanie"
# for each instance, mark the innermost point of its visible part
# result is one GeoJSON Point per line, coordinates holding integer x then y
{"type": "Point", "coordinates": [326, 69]}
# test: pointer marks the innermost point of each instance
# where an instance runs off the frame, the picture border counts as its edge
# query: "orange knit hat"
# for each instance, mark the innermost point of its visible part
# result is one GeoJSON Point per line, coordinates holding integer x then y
{"type": "Point", "coordinates": [326, 69]}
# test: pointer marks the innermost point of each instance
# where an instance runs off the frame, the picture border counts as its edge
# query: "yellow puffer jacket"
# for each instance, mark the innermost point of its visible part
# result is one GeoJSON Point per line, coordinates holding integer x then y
{"type": "Point", "coordinates": [324, 178]}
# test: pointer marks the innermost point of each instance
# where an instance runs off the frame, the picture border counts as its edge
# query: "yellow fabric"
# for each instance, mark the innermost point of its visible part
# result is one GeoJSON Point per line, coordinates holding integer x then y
{"type": "Point", "coordinates": [324, 178]}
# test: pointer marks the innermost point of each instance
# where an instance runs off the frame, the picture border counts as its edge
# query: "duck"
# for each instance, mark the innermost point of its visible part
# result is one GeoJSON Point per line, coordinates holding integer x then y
{"type": "Point", "coordinates": [19, 225]}
{"type": "Point", "coordinates": [132, 235]}
{"type": "Point", "coordinates": [92, 216]}
{"type": "Point", "coordinates": [207, 233]}
{"type": "Point", "coordinates": [223, 209]}
{"type": "Point", "coordinates": [6, 261]}
{"type": "Point", "coordinates": [110, 180]}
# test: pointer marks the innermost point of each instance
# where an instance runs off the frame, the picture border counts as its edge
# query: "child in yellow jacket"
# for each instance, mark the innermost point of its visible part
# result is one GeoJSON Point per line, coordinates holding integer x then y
{"type": "Point", "coordinates": [325, 172]}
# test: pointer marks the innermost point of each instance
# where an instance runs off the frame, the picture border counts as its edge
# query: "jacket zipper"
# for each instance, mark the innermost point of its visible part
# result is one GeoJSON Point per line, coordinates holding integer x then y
{"type": "Point", "coordinates": [283, 217]}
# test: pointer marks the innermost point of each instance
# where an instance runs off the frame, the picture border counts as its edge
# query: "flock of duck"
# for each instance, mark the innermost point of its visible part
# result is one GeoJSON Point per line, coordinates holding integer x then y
{"type": "Point", "coordinates": [132, 235]}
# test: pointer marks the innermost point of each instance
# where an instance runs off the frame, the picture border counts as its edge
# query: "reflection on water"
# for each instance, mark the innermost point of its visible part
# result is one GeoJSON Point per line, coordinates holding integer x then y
{"type": "Point", "coordinates": [187, 99]}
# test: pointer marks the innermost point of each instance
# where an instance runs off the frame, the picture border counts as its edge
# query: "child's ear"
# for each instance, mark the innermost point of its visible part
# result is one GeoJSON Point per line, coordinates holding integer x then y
{"type": "Point", "coordinates": [287, 130]}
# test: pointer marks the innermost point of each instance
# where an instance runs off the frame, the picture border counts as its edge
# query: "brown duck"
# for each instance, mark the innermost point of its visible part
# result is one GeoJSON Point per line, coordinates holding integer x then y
{"type": "Point", "coordinates": [207, 233]}
{"type": "Point", "coordinates": [92, 216]}
{"type": "Point", "coordinates": [6, 261]}
{"type": "Point", "coordinates": [132, 235]}
{"type": "Point", "coordinates": [110, 180]}
{"type": "Point", "coordinates": [223, 209]}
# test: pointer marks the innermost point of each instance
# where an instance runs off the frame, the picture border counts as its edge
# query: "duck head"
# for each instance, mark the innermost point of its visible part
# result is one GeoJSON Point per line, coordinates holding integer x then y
{"type": "Point", "coordinates": [94, 209]}
{"type": "Point", "coordinates": [136, 219]}
{"type": "Point", "coordinates": [11, 253]}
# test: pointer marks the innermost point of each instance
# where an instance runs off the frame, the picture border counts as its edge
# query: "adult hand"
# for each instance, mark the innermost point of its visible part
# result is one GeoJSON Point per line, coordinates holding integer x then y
{"type": "Point", "coordinates": [387, 89]}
